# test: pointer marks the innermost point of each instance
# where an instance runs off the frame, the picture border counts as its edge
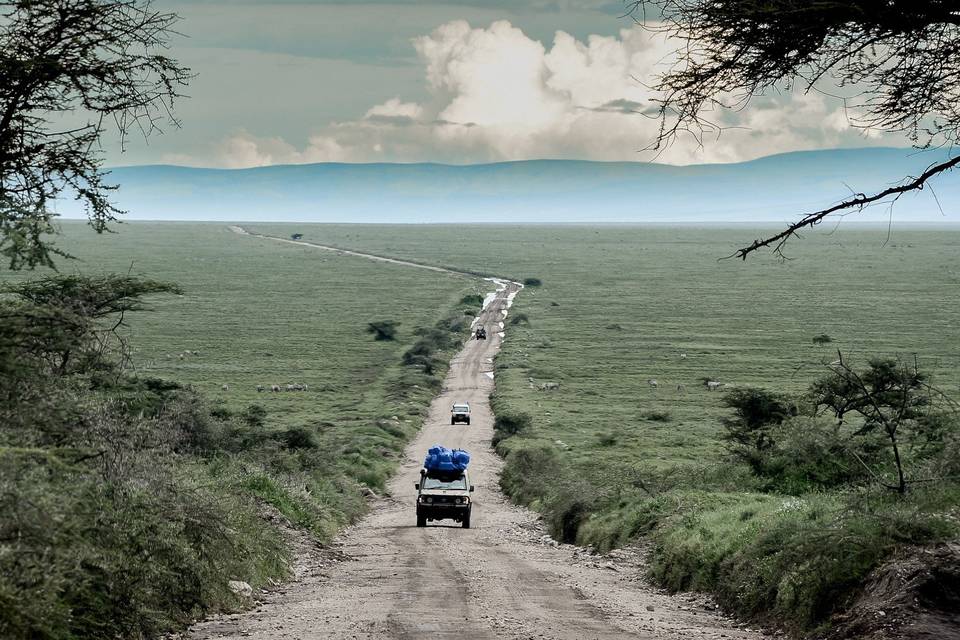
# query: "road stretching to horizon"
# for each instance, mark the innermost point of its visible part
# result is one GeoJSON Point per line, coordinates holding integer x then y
{"type": "Point", "coordinates": [385, 578]}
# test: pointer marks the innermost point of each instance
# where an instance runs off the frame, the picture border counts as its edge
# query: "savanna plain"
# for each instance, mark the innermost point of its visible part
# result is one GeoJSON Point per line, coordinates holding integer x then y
{"type": "Point", "coordinates": [611, 429]}
{"type": "Point", "coordinates": [647, 393]}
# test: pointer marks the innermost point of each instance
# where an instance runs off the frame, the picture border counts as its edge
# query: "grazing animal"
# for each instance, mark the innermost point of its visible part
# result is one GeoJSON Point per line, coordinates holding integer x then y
{"type": "Point", "coordinates": [225, 387]}
{"type": "Point", "coordinates": [305, 387]}
{"type": "Point", "coordinates": [681, 388]}
{"type": "Point", "coordinates": [653, 383]}
{"type": "Point", "coordinates": [550, 386]}
{"type": "Point", "coordinates": [683, 356]}
{"type": "Point", "coordinates": [289, 387]}
{"type": "Point", "coordinates": [275, 388]}
{"type": "Point", "coordinates": [713, 385]}
{"type": "Point", "coordinates": [259, 388]}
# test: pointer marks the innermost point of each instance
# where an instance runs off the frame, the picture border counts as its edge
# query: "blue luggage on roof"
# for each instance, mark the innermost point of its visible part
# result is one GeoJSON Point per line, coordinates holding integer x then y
{"type": "Point", "coordinates": [441, 459]}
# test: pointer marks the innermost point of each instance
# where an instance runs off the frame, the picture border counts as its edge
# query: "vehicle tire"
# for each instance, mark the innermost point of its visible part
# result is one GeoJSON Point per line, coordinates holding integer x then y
{"type": "Point", "coordinates": [421, 520]}
{"type": "Point", "coordinates": [466, 521]}
{"type": "Point", "coordinates": [468, 421]}
{"type": "Point", "coordinates": [452, 421]}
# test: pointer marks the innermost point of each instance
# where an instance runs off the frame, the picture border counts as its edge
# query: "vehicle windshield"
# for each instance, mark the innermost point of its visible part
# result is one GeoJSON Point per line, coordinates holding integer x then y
{"type": "Point", "coordinates": [459, 484]}
{"type": "Point", "coordinates": [461, 408]}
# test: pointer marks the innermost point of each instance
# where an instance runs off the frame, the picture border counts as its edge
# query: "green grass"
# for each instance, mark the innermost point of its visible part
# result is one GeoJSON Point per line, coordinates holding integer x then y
{"type": "Point", "coordinates": [617, 307]}
{"type": "Point", "coordinates": [268, 313]}
{"type": "Point", "coordinates": [741, 323]}
{"type": "Point", "coordinates": [614, 308]}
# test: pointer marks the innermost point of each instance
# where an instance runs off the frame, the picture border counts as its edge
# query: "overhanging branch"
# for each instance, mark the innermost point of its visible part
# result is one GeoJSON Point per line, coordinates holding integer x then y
{"type": "Point", "coordinates": [858, 202]}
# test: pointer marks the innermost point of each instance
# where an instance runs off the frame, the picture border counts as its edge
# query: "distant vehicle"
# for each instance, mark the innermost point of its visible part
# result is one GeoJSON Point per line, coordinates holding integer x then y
{"type": "Point", "coordinates": [296, 236]}
{"type": "Point", "coordinates": [481, 333]}
{"type": "Point", "coordinates": [444, 497]}
{"type": "Point", "coordinates": [460, 413]}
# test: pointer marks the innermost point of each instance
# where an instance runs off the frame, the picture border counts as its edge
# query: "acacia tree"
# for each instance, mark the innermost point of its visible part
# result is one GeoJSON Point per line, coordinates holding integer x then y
{"type": "Point", "coordinates": [68, 70]}
{"type": "Point", "coordinates": [901, 58]}
{"type": "Point", "coordinates": [889, 397]}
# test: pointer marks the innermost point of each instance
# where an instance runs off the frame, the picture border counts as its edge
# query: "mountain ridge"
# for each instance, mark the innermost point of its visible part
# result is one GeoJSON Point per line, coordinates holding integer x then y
{"type": "Point", "coordinates": [769, 189]}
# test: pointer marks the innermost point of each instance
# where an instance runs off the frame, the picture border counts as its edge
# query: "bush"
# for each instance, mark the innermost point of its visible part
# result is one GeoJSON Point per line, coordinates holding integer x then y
{"type": "Point", "coordinates": [530, 472]}
{"type": "Point", "coordinates": [658, 416]}
{"type": "Point", "coordinates": [532, 282]}
{"type": "Point", "coordinates": [383, 330]}
{"type": "Point", "coordinates": [607, 439]}
{"type": "Point", "coordinates": [298, 438]}
{"type": "Point", "coordinates": [520, 318]}
{"type": "Point", "coordinates": [811, 454]}
{"type": "Point", "coordinates": [822, 339]}
{"type": "Point", "coordinates": [254, 415]}
{"type": "Point", "coordinates": [798, 559]}
{"type": "Point", "coordinates": [508, 424]}
{"type": "Point", "coordinates": [94, 558]}
{"type": "Point", "coordinates": [473, 300]}
{"type": "Point", "coordinates": [755, 412]}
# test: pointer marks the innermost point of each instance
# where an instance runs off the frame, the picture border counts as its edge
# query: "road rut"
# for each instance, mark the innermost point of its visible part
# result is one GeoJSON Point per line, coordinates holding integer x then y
{"type": "Point", "coordinates": [503, 578]}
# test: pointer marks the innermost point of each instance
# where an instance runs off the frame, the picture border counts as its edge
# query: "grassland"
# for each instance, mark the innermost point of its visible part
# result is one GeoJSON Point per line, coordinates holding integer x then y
{"type": "Point", "coordinates": [618, 307]}
{"type": "Point", "coordinates": [252, 312]}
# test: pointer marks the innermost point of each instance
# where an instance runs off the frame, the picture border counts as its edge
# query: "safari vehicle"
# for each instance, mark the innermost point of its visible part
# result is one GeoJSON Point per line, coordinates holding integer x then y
{"type": "Point", "coordinates": [460, 413]}
{"type": "Point", "coordinates": [481, 333]}
{"type": "Point", "coordinates": [444, 496]}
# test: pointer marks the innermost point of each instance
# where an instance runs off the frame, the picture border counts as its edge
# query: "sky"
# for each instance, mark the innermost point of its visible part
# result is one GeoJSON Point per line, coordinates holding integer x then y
{"type": "Point", "coordinates": [458, 82]}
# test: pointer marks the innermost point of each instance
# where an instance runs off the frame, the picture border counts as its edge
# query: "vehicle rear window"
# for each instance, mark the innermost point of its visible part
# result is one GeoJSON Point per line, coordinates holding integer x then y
{"type": "Point", "coordinates": [461, 408]}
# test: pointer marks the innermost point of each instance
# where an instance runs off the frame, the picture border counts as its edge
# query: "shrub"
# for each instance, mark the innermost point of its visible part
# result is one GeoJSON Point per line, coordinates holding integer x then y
{"type": "Point", "coordinates": [529, 473]}
{"type": "Point", "coordinates": [811, 453]}
{"type": "Point", "coordinates": [473, 300]}
{"type": "Point", "coordinates": [532, 282]}
{"type": "Point", "coordinates": [607, 439]}
{"type": "Point", "coordinates": [755, 412]}
{"type": "Point", "coordinates": [383, 330]}
{"type": "Point", "coordinates": [822, 339]}
{"type": "Point", "coordinates": [254, 415]}
{"type": "Point", "coordinates": [132, 556]}
{"type": "Point", "coordinates": [520, 318]}
{"type": "Point", "coordinates": [508, 424]}
{"type": "Point", "coordinates": [658, 416]}
{"type": "Point", "coordinates": [298, 438]}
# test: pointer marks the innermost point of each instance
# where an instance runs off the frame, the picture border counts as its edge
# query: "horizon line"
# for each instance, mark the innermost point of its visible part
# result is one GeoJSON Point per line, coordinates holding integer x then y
{"type": "Point", "coordinates": [162, 165]}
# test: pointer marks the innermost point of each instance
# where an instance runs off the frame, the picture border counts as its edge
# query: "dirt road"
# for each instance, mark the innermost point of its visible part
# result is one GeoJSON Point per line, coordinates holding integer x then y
{"type": "Point", "coordinates": [503, 578]}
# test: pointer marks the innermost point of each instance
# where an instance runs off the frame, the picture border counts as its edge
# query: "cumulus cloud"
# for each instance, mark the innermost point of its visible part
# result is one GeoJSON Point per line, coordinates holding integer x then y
{"type": "Point", "coordinates": [497, 94]}
{"type": "Point", "coordinates": [394, 108]}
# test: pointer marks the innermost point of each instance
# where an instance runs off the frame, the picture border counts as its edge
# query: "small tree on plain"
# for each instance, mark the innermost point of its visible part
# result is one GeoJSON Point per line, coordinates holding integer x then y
{"type": "Point", "coordinates": [383, 330]}
{"type": "Point", "coordinates": [890, 397]}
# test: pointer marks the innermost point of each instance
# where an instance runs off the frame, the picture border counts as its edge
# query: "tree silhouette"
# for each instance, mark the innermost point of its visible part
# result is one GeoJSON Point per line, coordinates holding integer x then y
{"type": "Point", "coordinates": [900, 57]}
{"type": "Point", "coordinates": [68, 70]}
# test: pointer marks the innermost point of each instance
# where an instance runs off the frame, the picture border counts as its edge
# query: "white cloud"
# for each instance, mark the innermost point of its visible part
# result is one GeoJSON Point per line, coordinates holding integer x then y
{"type": "Point", "coordinates": [394, 108]}
{"type": "Point", "coordinates": [497, 94]}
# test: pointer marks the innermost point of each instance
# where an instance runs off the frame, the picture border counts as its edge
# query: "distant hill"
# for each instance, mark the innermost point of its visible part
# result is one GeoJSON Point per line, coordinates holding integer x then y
{"type": "Point", "coordinates": [770, 189]}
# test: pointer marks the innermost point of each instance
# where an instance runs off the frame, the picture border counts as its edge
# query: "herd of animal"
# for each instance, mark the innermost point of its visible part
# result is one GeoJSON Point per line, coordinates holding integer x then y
{"type": "Point", "coordinates": [711, 385]}
{"type": "Point", "coordinates": [653, 383]}
{"type": "Point", "coordinates": [276, 388]}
